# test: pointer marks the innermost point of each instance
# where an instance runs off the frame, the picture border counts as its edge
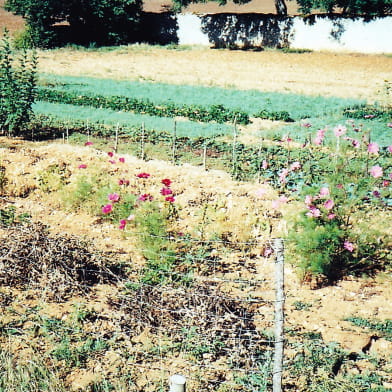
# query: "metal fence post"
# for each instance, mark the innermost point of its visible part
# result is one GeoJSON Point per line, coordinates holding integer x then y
{"type": "Point", "coordinates": [279, 315]}
{"type": "Point", "coordinates": [177, 383]}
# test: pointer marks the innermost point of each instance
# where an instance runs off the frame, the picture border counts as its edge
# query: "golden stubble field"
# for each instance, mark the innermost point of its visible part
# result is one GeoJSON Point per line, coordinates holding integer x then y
{"type": "Point", "coordinates": [318, 73]}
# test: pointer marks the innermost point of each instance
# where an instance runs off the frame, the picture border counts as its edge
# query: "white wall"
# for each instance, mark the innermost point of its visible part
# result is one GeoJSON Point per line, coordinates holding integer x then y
{"type": "Point", "coordinates": [374, 36]}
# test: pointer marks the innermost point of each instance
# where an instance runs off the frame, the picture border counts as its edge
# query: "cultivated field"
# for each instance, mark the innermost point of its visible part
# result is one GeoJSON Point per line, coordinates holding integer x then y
{"type": "Point", "coordinates": [155, 257]}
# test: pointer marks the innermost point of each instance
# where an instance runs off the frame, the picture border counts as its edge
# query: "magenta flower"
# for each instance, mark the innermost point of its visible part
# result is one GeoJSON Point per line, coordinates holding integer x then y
{"type": "Point", "coordinates": [170, 199]}
{"type": "Point", "coordinates": [145, 197]}
{"type": "Point", "coordinates": [373, 148]}
{"type": "Point", "coordinates": [143, 175]}
{"type": "Point", "coordinates": [339, 186]}
{"type": "Point", "coordinates": [385, 183]}
{"type": "Point", "coordinates": [110, 154]}
{"type": "Point", "coordinates": [376, 194]}
{"type": "Point", "coordinates": [123, 223]}
{"type": "Point", "coordinates": [166, 191]}
{"type": "Point", "coordinates": [376, 171]}
{"type": "Point", "coordinates": [295, 166]}
{"type": "Point", "coordinates": [113, 197]}
{"type": "Point", "coordinates": [166, 182]}
{"type": "Point", "coordinates": [82, 166]}
{"type": "Point", "coordinates": [329, 204]}
{"type": "Point", "coordinates": [107, 209]}
{"type": "Point", "coordinates": [88, 143]}
{"type": "Point", "coordinates": [122, 160]}
{"type": "Point", "coordinates": [348, 246]}
{"type": "Point", "coordinates": [121, 181]}
{"type": "Point", "coordinates": [340, 130]}
{"type": "Point", "coordinates": [324, 191]}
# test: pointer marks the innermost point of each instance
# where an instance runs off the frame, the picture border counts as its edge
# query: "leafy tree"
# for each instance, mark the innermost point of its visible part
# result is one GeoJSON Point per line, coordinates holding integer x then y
{"type": "Point", "coordinates": [366, 8]}
{"type": "Point", "coordinates": [17, 87]}
{"type": "Point", "coordinates": [105, 22]}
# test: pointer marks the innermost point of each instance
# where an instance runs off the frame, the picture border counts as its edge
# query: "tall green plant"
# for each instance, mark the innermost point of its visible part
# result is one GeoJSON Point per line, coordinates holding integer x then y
{"type": "Point", "coordinates": [17, 87]}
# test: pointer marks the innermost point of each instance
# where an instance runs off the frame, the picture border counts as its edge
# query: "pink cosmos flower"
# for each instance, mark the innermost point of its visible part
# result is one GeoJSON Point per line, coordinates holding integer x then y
{"type": "Point", "coordinates": [166, 191]}
{"type": "Point", "coordinates": [385, 183]}
{"type": "Point", "coordinates": [143, 175]}
{"type": "Point", "coordinates": [107, 209]}
{"type": "Point", "coordinates": [170, 199]}
{"type": "Point", "coordinates": [376, 171]}
{"type": "Point", "coordinates": [355, 143]}
{"type": "Point", "coordinates": [295, 166]}
{"type": "Point", "coordinates": [110, 154]}
{"type": "Point", "coordinates": [389, 148]}
{"type": "Point", "coordinates": [88, 143]}
{"type": "Point", "coordinates": [313, 212]}
{"type": "Point", "coordinates": [324, 191]}
{"type": "Point", "coordinates": [113, 162]}
{"type": "Point", "coordinates": [373, 148]}
{"type": "Point", "coordinates": [123, 223]}
{"type": "Point", "coordinates": [376, 194]}
{"type": "Point", "coordinates": [166, 182]}
{"type": "Point", "coordinates": [320, 133]}
{"type": "Point", "coordinates": [122, 160]}
{"type": "Point", "coordinates": [82, 166]}
{"type": "Point", "coordinates": [282, 176]}
{"type": "Point", "coordinates": [267, 252]}
{"type": "Point", "coordinates": [264, 165]}
{"type": "Point", "coordinates": [331, 216]}
{"type": "Point", "coordinates": [340, 130]}
{"type": "Point", "coordinates": [318, 140]}
{"type": "Point", "coordinates": [145, 197]}
{"type": "Point", "coordinates": [114, 197]}
{"type": "Point", "coordinates": [329, 204]}
{"type": "Point", "coordinates": [306, 124]}
{"type": "Point", "coordinates": [348, 246]}
{"type": "Point", "coordinates": [308, 200]}
{"type": "Point", "coordinates": [121, 181]}
{"type": "Point", "coordinates": [339, 186]}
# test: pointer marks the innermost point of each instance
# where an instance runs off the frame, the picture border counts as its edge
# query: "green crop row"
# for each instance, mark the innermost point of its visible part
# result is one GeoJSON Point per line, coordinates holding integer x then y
{"type": "Point", "coordinates": [217, 113]}
{"type": "Point", "coordinates": [368, 112]}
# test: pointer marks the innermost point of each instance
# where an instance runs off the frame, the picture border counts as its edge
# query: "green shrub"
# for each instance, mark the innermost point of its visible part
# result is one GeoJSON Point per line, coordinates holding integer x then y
{"type": "Point", "coordinates": [17, 87]}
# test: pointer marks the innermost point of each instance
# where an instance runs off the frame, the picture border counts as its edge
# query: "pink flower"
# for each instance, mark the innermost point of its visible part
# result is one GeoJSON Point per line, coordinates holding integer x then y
{"type": "Point", "coordinates": [385, 183]}
{"type": "Point", "coordinates": [369, 116]}
{"type": "Point", "coordinates": [306, 124]}
{"type": "Point", "coordinates": [329, 204]}
{"type": "Point", "coordinates": [331, 216]}
{"type": "Point", "coordinates": [82, 166]}
{"type": "Point", "coordinates": [170, 199]}
{"type": "Point", "coordinates": [123, 223]}
{"type": "Point", "coordinates": [313, 212]}
{"type": "Point", "coordinates": [295, 166]}
{"type": "Point", "coordinates": [390, 176]}
{"type": "Point", "coordinates": [145, 197]}
{"type": "Point", "coordinates": [389, 148]}
{"type": "Point", "coordinates": [283, 174]}
{"type": "Point", "coordinates": [107, 209]}
{"type": "Point", "coordinates": [264, 165]}
{"type": "Point", "coordinates": [166, 182]}
{"type": "Point", "coordinates": [131, 217]}
{"type": "Point", "coordinates": [308, 200]}
{"type": "Point", "coordinates": [166, 191]}
{"type": "Point", "coordinates": [267, 252]}
{"type": "Point", "coordinates": [114, 197]}
{"type": "Point", "coordinates": [88, 143]}
{"type": "Point", "coordinates": [355, 143]}
{"type": "Point", "coordinates": [340, 130]}
{"type": "Point", "coordinates": [110, 154]}
{"type": "Point", "coordinates": [121, 181]}
{"type": "Point", "coordinates": [320, 133]}
{"type": "Point", "coordinates": [376, 194]}
{"type": "Point", "coordinates": [373, 148]}
{"type": "Point", "coordinates": [143, 175]}
{"type": "Point", "coordinates": [113, 162]}
{"type": "Point", "coordinates": [339, 186]}
{"type": "Point", "coordinates": [376, 171]}
{"type": "Point", "coordinates": [324, 191]}
{"type": "Point", "coordinates": [348, 246]}
{"type": "Point", "coordinates": [318, 140]}
{"type": "Point", "coordinates": [122, 160]}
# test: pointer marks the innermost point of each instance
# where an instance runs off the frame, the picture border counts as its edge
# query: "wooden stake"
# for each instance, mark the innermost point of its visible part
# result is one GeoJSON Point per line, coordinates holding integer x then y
{"type": "Point", "coordinates": [279, 315]}
{"type": "Point", "coordinates": [116, 138]}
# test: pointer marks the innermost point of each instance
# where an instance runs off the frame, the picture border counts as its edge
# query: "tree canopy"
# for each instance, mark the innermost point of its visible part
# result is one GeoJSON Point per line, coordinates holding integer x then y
{"type": "Point", "coordinates": [104, 22]}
